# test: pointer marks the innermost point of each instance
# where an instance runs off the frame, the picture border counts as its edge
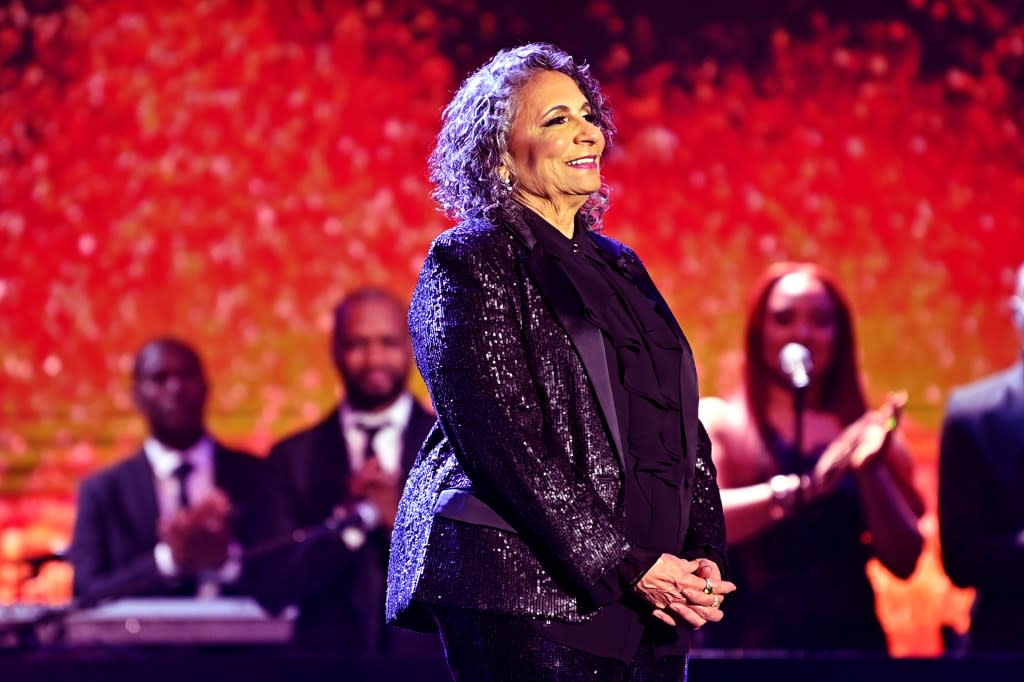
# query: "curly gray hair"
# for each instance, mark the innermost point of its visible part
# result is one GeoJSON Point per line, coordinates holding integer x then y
{"type": "Point", "coordinates": [473, 141]}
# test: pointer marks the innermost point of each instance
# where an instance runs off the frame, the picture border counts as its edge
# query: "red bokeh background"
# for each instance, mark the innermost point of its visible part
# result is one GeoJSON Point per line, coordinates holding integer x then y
{"type": "Point", "coordinates": [226, 170]}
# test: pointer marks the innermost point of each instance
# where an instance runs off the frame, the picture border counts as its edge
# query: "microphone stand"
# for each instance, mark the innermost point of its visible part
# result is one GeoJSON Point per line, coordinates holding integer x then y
{"type": "Point", "coordinates": [799, 528]}
{"type": "Point", "coordinates": [799, 401]}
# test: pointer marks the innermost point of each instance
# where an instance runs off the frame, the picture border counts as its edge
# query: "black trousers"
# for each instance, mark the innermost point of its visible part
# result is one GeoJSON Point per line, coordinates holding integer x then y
{"type": "Point", "coordinates": [483, 647]}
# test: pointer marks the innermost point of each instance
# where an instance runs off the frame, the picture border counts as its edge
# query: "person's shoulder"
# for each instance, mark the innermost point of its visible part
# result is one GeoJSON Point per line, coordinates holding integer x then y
{"type": "Point", "coordinates": [237, 465]}
{"type": "Point", "coordinates": [422, 412]}
{"type": "Point", "coordinates": [108, 475]}
{"type": "Point", "coordinates": [611, 246]}
{"type": "Point", "coordinates": [474, 247]}
{"type": "Point", "coordinates": [233, 452]}
{"type": "Point", "coordinates": [474, 234]}
{"type": "Point", "coordinates": [985, 393]}
{"type": "Point", "coordinates": [304, 438]}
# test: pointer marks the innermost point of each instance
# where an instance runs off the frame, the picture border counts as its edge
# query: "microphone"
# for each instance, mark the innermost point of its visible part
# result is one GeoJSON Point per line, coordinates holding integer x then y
{"type": "Point", "coordinates": [353, 523]}
{"type": "Point", "coordinates": [795, 361]}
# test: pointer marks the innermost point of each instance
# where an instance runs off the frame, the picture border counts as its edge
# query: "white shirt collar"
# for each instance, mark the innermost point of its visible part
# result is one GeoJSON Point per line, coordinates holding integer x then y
{"type": "Point", "coordinates": [165, 460]}
{"type": "Point", "coordinates": [397, 414]}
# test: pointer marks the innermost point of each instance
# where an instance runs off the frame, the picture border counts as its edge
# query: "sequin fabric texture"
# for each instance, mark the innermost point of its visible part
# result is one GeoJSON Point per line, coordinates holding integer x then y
{"type": "Point", "coordinates": [519, 427]}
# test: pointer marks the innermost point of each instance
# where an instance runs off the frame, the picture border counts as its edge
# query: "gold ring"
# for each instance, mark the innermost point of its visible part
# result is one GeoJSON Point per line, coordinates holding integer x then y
{"type": "Point", "coordinates": [708, 587]}
{"type": "Point", "coordinates": [715, 602]}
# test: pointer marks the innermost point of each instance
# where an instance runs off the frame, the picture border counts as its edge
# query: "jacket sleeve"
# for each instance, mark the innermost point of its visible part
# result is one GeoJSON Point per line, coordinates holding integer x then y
{"type": "Point", "coordinates": [467, 330]}
{"type": "Point", "coordinates": [976, 549]}
{"type": "Point", "coordinates": [705, 536]}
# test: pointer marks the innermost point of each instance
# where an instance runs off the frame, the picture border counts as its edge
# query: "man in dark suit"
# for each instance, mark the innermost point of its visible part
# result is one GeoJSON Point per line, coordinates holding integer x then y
{"type": "Point", "coordinates": [981, 498]}
{"type": "Point", "coordinates": [173, 518]}
{"type": "Point", "coordinates": [352, 464]}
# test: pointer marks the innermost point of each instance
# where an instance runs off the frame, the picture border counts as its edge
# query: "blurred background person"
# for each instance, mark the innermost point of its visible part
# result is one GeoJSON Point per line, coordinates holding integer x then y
{"type": "Point", "coordinates": [173, 518]}
{"type": "Point", "coordinates": [981, 498]}
{"type": "Point", "coordinates": [804, 518]}
{"type": "Point", "coordinates": [544, 528]}
{"type": "Point", "coordinates": [360, 452]}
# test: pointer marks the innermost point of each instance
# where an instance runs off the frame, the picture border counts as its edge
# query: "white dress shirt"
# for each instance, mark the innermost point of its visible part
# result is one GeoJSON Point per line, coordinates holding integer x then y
{"type": "Point", "coordinates": [387, 447]}
{"type": "Point", "coordinates": [199, 483]}
{"type": "Point", "coordinates": [387, 442]}
{"type": "Point", "coordinates": [164, 460]}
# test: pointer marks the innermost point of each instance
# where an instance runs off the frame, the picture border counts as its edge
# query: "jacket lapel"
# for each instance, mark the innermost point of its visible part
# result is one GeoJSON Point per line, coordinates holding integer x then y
{"type": "Point", "coordinates": [559, 293]}
{"type": "Point", "coordinates": [329, 466]}
{"type": "Point", "coordinates": [138, 498]}
{"type": "Point", "coordinates": [415, 433]}
{"type": "Point", "coordinates": [226, 475]}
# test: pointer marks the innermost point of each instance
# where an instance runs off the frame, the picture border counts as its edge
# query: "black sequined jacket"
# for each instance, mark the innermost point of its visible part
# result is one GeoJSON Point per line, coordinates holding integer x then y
{"type": "Point", "coordinates": [514, 503]}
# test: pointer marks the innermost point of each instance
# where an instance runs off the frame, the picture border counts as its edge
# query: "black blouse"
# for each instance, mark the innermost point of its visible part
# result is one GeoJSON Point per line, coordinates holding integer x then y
{"type": "Point", "coordinates": [644, 354]}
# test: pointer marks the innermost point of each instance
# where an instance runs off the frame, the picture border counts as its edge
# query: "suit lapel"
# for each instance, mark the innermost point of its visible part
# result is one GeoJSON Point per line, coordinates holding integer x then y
{"type": "Point", "coordinates": [415, 433]}
{"type": "Point", "coordinates": [226, 474]}
{"type": "Point", "coordinates": [329, 466]}
{"type": "Point", "coordinates": [138, 497]}
{"type": "Point", "coordinates": [556, 289]}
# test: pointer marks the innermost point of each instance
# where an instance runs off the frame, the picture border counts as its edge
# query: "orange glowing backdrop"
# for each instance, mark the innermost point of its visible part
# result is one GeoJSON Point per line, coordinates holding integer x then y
{"type": "Point", "coordinates": [225, 170]}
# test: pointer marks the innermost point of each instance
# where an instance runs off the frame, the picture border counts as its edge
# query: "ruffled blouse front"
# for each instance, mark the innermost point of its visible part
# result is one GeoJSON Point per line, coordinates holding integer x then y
{"type": "Point", "coordinates": [644, 354]}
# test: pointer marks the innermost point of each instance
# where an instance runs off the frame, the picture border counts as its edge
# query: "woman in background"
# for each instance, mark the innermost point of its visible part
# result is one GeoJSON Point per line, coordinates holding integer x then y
{"type": "Point", "coordinates": [803, 519]}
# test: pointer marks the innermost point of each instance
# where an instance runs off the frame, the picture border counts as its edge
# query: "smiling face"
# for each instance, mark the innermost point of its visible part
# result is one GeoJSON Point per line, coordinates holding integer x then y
{"type": "Point", "coordinates": [800, 309]}
{"type": "Point", "coordinates": [554, 146]}
{"type": "Point", "coordinates": [371, 351]}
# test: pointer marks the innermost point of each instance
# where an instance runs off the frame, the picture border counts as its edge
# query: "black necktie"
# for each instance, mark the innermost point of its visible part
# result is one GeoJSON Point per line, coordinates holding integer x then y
{"type": "Point", "coordinates": [370, 432]}
{"type": "Point", "coordinates": [181, 473]}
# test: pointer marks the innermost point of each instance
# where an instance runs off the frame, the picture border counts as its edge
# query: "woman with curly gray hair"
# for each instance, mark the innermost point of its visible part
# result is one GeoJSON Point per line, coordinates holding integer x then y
{"type": "Point", "coordinates": [562, 521]}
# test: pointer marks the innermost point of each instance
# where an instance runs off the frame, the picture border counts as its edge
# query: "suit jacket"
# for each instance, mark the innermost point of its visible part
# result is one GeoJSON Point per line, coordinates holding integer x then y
{"type": "Point", "coordinates": [314, 464]}
{"type": "Point", "coordinates": [981, 503]}
{"type": "Point", "coordinates": [514, 505]}
{"type": "Point", "coordinates": [115, 528]}
{"type": "Point", "coordinates": [340, 593]}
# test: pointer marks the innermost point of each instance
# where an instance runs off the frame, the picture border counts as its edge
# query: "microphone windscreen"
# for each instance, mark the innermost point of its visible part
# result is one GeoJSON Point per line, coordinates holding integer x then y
{"type": "Point", "coordinates": [795, 361]}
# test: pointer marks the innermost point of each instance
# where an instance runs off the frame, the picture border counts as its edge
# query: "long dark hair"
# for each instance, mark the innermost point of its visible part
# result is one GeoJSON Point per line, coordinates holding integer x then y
{"type": "Point", "coordinates": [841, 393]}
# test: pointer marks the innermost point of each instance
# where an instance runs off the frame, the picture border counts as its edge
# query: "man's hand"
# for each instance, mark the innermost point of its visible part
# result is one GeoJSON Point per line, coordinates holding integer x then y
{"type": "Point", "coordinates": [199, 535]}
{"type": "Point", "coordinates": [379, 487]}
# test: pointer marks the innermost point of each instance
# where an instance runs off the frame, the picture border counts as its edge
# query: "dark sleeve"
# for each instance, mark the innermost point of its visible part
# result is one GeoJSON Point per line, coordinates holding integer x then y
{"type": "Point", "coordinates": [467, 328]}
{"type": "Point", "coordinates": [976, 550]}
{"type": "Point", "coordinates": [304, 561]}
{"type": "Point", "coordinates": [95, 575]}
{"type": "Point", "coordinates": [706, 535]}
{"type": "Point", "coordinates": [623, 577]}
{"type": "Point", "coordinates": [281, 502]}
{"type": "Point", "coordinates": [263, 530]}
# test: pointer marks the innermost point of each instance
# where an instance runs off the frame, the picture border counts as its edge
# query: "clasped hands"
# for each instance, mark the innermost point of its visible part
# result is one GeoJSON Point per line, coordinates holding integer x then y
{"type": "Point", "coordinates": [199, 535]}
{"type": "Point", "coordinates": [690, 590]}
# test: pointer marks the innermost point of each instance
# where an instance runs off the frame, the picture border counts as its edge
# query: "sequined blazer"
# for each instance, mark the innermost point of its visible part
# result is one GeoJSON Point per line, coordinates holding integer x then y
{"type": "Point", "coordinates": [514, 503]}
